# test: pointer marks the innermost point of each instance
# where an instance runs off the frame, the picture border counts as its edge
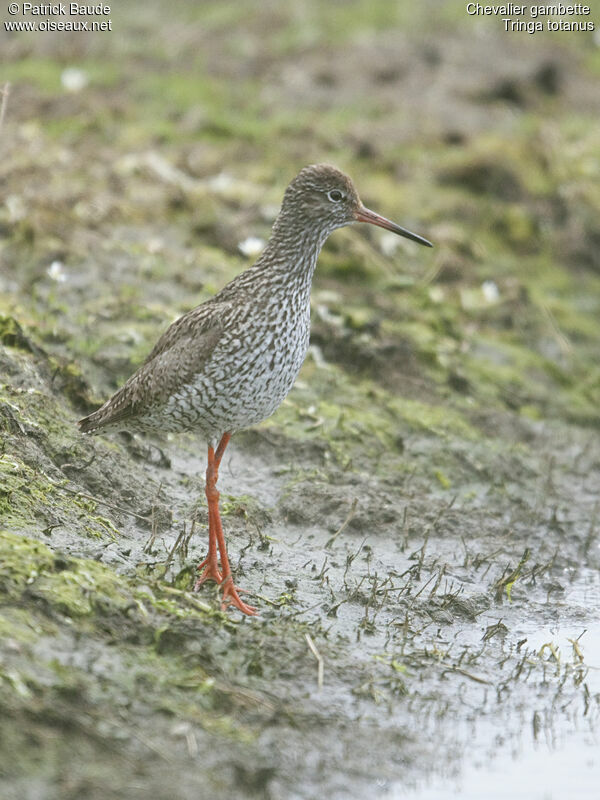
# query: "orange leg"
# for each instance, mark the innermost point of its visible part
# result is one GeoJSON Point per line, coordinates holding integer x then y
{"type": "Point", "coordinates": [216, 538]}
{"type": "Point", "coordinates": [210, 565]}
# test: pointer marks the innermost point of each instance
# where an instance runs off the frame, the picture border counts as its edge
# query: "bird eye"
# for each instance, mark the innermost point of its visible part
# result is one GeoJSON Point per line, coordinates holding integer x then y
{"type": "Point", "coordinates": [335, 196]}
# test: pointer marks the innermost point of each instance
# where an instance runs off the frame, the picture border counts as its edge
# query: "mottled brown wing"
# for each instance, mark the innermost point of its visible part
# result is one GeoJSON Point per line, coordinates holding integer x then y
{"type": "Point", "coordinates": [179, 355]}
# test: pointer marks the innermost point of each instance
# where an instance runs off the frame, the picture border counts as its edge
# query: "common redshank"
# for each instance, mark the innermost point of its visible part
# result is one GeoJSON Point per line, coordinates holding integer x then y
{"type": "Point", "coordinates": [228, 363]}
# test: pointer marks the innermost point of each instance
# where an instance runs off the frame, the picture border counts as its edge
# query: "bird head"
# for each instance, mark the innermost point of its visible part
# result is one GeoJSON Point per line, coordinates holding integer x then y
{"type": "Point", "coordinates": [325, 197]}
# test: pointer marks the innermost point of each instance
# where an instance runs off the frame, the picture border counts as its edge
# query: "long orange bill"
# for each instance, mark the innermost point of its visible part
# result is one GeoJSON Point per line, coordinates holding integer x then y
{"type": "Point", "coordinates": [366, 215]}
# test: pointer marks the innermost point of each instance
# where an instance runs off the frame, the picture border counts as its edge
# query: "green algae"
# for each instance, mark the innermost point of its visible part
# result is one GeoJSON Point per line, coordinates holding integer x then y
{"type": "Point", "coordinates": [46, 73]}
{"type": "Point", "coordinates": [361, 418]}
{"type": "Point", "coordinates": [12, 335]}
{"type": "Point", "coordinates": [76, 587]}
{"type": "Point", "coordinates": [30, 498]}
{"type": "Point", "coordinates": [76, 590]}
{"type": "Point", "coordinates": [22, 561]}
{"type": "Point", "coordinates": [19, 625]}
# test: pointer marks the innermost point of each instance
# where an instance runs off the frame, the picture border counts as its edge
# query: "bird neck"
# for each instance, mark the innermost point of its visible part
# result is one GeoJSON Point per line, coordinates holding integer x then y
{"type": "Point", "coordinates": [291, 254]}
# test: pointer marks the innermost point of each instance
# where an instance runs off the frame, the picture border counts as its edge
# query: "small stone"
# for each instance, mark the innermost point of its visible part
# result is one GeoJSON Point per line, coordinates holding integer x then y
{"type": "Point", "coordinates": [56, 271]}
{"type": "Point", "coordinates": [15, 207]}
{"type": "Point", "coordinates": [74, 79]}
{"type": "Point", "coordinates": [389, 242]}
{"type": "Point", "coordinates": [252, 246]}
{"type": "Point", "coordinates": [181, 729]}
{"type": "Point", "coordinates": [490, 291]}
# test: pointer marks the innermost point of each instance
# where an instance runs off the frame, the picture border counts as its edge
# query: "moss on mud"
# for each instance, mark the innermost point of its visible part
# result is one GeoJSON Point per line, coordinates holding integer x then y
{"type": "Point", "coordinates": [131, 641]}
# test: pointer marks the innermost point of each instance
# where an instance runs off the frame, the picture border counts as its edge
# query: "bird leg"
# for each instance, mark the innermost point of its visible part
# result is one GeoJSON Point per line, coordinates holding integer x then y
{"type": "Point", "coordinates": [211, 562]}
{"type": "Point", "coordinates": [210, 565]}
{"type": "Point", "coordinates": [216, 538]}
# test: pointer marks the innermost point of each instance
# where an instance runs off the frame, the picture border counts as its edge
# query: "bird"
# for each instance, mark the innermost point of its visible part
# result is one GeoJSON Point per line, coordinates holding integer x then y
{"type": "Point", "coordinates": [229, 362]}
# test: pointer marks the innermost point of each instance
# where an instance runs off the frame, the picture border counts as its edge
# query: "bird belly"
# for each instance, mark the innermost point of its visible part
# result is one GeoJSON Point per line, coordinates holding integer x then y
{"type": "Point", "coordinates": [241, 385]}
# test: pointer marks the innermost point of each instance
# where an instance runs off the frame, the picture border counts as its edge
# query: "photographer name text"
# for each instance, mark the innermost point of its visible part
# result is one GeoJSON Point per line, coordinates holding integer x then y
{"type": "Point", "coordinates": [59, 9]}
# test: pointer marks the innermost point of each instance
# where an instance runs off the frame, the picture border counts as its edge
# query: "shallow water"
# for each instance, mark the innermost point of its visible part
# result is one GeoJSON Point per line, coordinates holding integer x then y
{"type": "Point", "coordinates": [547, 760]}
{"type": "Point", "coordinates": [539, 771]}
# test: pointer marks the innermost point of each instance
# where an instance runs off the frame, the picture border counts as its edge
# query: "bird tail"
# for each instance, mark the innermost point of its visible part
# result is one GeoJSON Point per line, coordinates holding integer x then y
{"type": "Point", "coordinates": [92, 423]}
{"type": "Point", "coordinates": [113, 415]}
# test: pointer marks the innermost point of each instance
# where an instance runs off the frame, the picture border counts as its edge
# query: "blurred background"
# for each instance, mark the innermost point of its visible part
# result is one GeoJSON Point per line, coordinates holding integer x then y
{"type": "Point", "coordinates": [142, 158]}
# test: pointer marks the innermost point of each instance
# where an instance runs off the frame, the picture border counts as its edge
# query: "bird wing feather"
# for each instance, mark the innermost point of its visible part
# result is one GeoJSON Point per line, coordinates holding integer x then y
{"type": "Point", "coordinates": [179, 355]}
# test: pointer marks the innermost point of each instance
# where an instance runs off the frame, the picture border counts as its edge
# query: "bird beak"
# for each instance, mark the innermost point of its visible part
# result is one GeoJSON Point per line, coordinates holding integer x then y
{"type": "Point", "coordinates": [366, 215]}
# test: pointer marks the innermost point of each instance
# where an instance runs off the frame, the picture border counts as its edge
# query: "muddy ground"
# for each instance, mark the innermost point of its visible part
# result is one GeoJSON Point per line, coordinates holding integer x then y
{"type": "Point", "coordinates": [419, 522]}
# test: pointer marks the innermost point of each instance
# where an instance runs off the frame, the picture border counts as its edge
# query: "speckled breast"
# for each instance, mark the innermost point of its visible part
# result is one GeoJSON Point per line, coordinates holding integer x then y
{"type": "Point", "coordinates": [250, 372]}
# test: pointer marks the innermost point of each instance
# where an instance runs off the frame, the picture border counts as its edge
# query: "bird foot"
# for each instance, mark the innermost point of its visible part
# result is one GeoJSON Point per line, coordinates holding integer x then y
{"type": "Point", "coordinates": [231, 597]}
{"type": "Point", "coordinates": [231, 593]}
{"type": "Point", "coordinates": [211, 572]}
